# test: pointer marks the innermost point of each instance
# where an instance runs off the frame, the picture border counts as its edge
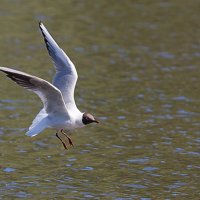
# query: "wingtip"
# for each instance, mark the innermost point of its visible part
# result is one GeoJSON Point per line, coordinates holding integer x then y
{"type": "Point", "coordinates": [40, 23]}
{"type": "Point", "coordinates": [3, 69]}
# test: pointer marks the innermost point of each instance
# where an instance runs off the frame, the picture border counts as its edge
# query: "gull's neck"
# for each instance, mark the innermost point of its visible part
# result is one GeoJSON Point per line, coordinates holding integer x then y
{"type": "Point", "coordinates": [76, 116]}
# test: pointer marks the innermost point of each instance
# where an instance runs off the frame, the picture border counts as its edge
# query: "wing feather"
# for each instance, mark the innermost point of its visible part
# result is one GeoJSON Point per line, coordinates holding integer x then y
{"type": "Point", "coordinates": [66, 75]}
{"type": "Point", "coordinates": [49, 94]}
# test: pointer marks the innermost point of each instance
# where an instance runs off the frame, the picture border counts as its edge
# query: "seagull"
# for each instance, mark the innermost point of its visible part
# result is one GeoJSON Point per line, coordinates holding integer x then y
{"type": "Point", "coordinates": [59, 110]}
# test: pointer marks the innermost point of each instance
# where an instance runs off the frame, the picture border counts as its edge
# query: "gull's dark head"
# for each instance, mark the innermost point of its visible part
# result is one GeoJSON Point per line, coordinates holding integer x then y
{"type": "Point", "coordinates": [88, 118]}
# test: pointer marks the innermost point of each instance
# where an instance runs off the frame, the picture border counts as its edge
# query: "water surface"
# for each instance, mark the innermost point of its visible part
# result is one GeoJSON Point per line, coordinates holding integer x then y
{"type": "Point", "coordinates": [138, 66]}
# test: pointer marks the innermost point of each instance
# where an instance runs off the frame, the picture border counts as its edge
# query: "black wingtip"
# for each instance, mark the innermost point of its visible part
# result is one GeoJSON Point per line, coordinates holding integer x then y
{"type": "Point", "coordinates": [40, 26]}
{"type": "Point", "coordinates": [40, 23]}
{"type": "Point", "coordinates": [20, 79]}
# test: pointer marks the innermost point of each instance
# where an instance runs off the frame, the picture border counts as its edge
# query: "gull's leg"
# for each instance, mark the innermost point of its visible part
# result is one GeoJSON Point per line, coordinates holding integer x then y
{"type": "Point", "coordinates": [69, 139]}
{"type": "Point", "coordinates": [61, 141]}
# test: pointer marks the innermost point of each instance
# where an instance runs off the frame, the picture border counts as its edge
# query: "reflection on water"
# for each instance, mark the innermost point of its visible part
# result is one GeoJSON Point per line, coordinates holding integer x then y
{"type": "Point", "coordinates": [138, 72]}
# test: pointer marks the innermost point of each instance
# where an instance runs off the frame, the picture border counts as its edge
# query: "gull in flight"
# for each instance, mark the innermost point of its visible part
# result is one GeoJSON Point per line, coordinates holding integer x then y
{"type": "Point", "coordinates": [59, 111]}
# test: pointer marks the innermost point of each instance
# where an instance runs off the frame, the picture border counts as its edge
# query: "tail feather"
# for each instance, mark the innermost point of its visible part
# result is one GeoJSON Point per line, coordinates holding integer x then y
{"type": "Point", "coordinates": [37, 128]}
{"type": "Point", "coordinates": [41, 115]}
{"type": "Point", "coordinates": [34, 131]}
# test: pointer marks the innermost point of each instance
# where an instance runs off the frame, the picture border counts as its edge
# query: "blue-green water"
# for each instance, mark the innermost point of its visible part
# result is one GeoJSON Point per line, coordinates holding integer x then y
{"type": "Point", "coordinates": [138, 65]}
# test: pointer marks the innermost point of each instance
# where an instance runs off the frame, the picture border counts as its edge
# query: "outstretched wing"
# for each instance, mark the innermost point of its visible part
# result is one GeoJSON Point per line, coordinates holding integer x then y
{"type": "Point", "coordinates": [49, 94]}
{"type": "Point", "coordinates": [66, 75]}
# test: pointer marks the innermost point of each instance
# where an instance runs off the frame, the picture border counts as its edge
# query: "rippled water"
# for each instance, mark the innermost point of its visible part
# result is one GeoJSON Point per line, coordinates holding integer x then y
{"type": "Point", "coordinates": [138, 65]}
